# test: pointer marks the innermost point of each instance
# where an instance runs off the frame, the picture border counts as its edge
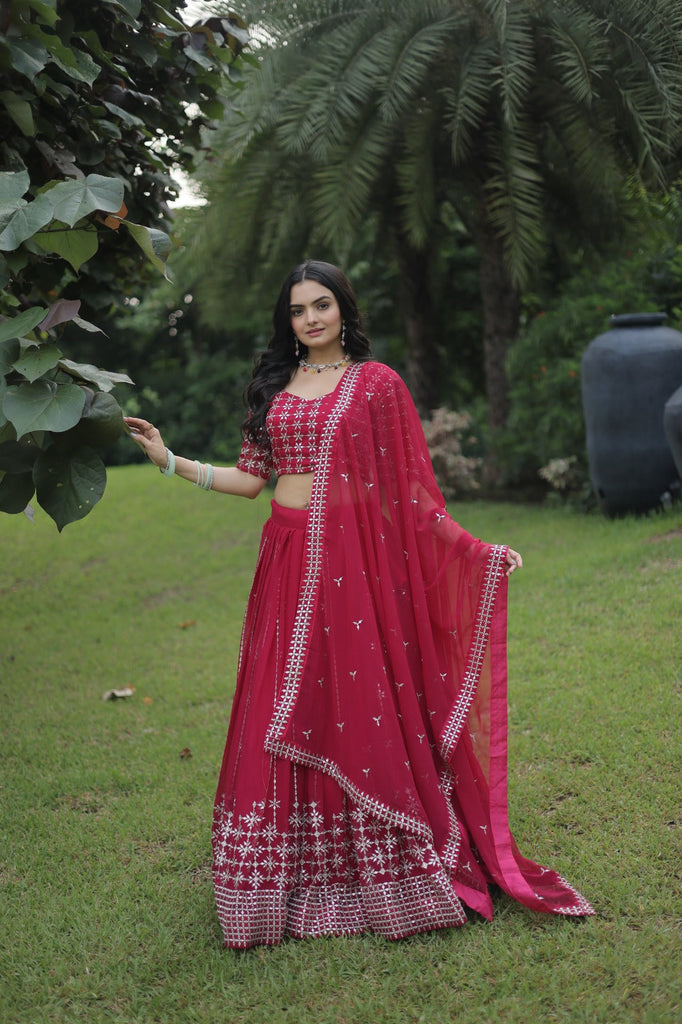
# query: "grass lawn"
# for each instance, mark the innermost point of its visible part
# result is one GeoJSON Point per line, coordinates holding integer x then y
{"type": "Point", "coordinates": [106, 905]}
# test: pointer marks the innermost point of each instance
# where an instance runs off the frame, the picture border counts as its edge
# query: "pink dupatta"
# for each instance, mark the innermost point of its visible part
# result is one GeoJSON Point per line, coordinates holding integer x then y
{"type": "Point", "coordinates": [396, 675]}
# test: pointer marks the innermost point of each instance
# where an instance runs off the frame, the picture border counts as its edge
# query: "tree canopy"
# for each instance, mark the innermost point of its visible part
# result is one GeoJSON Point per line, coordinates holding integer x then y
{"type": "Point", "coordinates": [528, 118]}
{"type": "Point", "coordinates": [98, 104]}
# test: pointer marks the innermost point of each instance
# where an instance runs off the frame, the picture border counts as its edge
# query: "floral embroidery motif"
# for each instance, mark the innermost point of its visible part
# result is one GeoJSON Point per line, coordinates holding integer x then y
{"type": "Point", "coordinates": [325, 875]}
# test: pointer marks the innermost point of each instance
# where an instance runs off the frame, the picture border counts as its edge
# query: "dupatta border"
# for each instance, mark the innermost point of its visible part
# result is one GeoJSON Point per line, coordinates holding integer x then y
{"type": "Point", "coordinates": [493, 579]}
{"type": "Point", "coordinates": [317, 514]}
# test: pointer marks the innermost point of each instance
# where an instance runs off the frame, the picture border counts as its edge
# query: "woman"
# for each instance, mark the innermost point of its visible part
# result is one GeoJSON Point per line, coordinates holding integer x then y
{"type": "Point", "coordinates": [364, 781]}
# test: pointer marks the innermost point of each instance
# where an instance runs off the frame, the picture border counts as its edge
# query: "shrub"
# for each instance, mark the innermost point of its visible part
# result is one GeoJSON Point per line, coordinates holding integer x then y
{"type": "Point", "coordinates": [446, 434]}
{"type": "Point", "coordinates": [546, 418]}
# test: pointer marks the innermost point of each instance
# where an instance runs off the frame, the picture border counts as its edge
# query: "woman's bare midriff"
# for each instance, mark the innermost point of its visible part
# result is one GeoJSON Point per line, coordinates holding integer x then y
{"type": "Point", "coordinates": [293, 490]}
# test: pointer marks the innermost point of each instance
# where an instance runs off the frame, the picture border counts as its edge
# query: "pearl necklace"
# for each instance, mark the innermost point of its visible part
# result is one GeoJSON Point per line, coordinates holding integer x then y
{"type": "Point", "coordinates": [319, 367]}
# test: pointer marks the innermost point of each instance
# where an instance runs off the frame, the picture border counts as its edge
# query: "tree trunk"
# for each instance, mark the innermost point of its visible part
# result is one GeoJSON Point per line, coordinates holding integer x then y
{"type": "Point", "coordinates": [501, 302]}
{"type": "Point", "coordinates": [423, 358]}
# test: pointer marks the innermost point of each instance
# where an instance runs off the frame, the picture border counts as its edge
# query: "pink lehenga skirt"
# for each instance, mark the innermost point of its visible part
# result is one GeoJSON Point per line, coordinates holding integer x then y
{"type": "Point", "coordinates": [293, 853]}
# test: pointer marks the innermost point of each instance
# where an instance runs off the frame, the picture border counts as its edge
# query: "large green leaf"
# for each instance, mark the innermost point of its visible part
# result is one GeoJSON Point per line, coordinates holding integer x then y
{"type": "Point", "coordinates": [37, 360]}
{"type": "Point", "coordinates": [43, 405]}
{"type": "Point", "coordinates": [16, 490]}
{"type": "Point", "coordinates": [9, 351]}
{"type": "Point", "coordinates": [131, 120]}
{"type": "Point", "coordinates": [18, 456]}
{"type": "Point", "coordinates": [18, 326]}
{"type": "Point", "coordinates": [25, 222]}
{"type": "Point", "coordinates": [155, 244]}
{"type": "Point", "coordinates": [66, 202]}
{"type": "Point", "coordinates": [104, 379]}
{"type": "Point", "coordinates": [13, 185]}
{"type": "Point", "coordinates": [47, 9]}
{"type": "Point", "coordinates": [132, 7]}
{"type": "Point", "coordinates": [69, 486]}
{"type": "Point", "coordinates": [100, 425]}
{"type": "Point", "coordinates": [73, 62]}
{"type": "Point", "coordinates": [73, 200]}
{"type": "Point", "coordinates": [20, 112]}
{"type": "Point", "coordinates": [29, 57]}
{"type": "Point", "coordinates": [76, 245]}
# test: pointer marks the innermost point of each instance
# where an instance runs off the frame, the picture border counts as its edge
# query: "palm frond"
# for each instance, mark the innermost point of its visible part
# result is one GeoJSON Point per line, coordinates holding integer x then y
{"type": "Point", "coordinates": [510, 23]}
{"type": "Point", "coordinates": [514, 197]}
{"type": "Point", "coordinates": [467, 97]}
{"type": "Point", "coordinates": [576, 50]}
{"type": "Point", "coordinates": [343, 186]}
{"type": "Point", "coordinates": [413, 48]}
{"type": "Point", "coordinates": [417, 176]}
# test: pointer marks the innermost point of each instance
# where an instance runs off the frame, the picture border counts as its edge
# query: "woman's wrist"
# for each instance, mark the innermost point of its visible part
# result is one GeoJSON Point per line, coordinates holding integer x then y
{"type": "Point", "coordinates": [167, 468]}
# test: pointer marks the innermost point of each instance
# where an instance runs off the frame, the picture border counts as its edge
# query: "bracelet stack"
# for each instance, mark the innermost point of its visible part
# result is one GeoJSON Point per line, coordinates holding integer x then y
{"type": "Point", "coordinates": [169, 468]}
{"type": "Point", "coordinates": [204, 475]}
{"type": "Point", "coordinates": [204, 471]}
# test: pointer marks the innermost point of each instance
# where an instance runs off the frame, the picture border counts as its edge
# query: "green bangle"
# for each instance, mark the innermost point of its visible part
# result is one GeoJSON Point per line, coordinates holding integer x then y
{"type": "Point", "coordinates": [170, 464]}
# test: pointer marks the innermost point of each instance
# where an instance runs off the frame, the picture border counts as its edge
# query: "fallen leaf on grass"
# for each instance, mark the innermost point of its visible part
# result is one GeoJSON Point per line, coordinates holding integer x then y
{"type": "Point", "coordinates": [126, 691]}
{"type": "Point", "coordinates": [147, 700]}
{"type": "Point", "coordinates": [187, 624]}
{"type": "Point", "coordinates": [184, 754]}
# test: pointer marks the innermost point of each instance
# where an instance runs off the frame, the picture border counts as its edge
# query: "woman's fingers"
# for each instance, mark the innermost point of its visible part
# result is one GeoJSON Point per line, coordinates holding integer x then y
{"type": "Point", "coordinates": [139, 425]}
{"type": "Point", "coordinates": [513, 560]}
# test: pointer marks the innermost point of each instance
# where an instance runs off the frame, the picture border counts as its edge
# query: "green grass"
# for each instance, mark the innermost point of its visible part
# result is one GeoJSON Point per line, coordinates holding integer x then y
{"type": "Point", "coordinates": [106, 906]}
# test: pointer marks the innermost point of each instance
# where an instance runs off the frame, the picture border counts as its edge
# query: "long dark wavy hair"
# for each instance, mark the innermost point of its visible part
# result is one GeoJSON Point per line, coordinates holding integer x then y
{"type": "Point", "coordinates": [275, 366]}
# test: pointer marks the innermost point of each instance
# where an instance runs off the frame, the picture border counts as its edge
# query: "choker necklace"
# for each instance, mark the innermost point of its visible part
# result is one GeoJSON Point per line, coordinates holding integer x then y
{"type": "Point", "coordinates": [319, 367]}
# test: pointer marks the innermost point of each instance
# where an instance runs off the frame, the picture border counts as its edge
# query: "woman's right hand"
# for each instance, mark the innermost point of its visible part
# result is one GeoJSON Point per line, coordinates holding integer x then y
{"type": "Point", "coordinates": [148, 438]}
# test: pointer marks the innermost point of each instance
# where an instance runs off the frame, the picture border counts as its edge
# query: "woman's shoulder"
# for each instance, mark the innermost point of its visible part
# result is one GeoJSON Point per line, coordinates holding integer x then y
{"type": "Point", "coordinates": [379, 374]}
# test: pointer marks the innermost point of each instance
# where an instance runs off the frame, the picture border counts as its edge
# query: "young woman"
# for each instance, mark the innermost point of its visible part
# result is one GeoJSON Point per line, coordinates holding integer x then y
{"type": "Point", "coordinates": [364, 781]}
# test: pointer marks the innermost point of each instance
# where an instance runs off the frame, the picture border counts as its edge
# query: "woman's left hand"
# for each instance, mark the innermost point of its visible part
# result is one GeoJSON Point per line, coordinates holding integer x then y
{"type": "Point", "coordinates": [513, 561]}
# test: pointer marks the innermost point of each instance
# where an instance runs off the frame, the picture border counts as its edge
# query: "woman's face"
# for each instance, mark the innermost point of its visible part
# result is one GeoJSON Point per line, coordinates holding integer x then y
{"type": "Point", "coordinates": [316, 317]}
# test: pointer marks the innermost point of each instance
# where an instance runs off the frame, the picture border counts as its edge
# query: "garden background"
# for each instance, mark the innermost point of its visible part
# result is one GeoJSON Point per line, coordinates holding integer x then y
{"type": "Point", "coordinates": [497, 178]}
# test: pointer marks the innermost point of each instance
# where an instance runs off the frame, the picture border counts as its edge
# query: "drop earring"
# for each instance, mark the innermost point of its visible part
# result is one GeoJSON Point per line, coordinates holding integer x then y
{"type": "Point", "coordinates": [343, 335]}
{"type": "Point", "coordinates": [298, 351]}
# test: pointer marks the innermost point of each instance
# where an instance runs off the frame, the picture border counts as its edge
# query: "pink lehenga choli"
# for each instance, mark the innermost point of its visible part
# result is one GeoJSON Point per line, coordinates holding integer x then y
{"type": "Point", "coordinates": [364, 781]}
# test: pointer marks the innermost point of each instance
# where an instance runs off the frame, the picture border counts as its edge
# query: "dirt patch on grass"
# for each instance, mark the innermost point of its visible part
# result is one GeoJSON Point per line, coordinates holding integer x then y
{"type": "Point", "coordinates": [166, 596]}
{"type": "Point", "coordinates": [670, 535]}
{"type": "Point", "coordinates": [82, 803]}
{"type": "Point", "coordinates": [663, 566]}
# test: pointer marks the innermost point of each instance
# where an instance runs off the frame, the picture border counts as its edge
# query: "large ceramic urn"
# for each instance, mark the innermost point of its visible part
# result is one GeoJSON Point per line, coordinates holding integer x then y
{"type": "Point", "coordinates": [628, 374]}
{"type": "Point", "coordinates": [672, 424]}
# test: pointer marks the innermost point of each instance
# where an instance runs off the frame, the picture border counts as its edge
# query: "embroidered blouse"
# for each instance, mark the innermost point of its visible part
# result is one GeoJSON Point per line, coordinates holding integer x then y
{"type": "Point", "coordinates": [294, 426]}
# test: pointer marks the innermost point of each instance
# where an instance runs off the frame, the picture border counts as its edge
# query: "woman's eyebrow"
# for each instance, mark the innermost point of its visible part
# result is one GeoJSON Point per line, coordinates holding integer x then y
{"type": "Point", "coordinates": [297, 305]}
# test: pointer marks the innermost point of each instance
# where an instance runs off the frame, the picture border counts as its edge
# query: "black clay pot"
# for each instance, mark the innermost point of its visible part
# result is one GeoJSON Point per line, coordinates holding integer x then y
{"type": "Point", "coordinates": [672, 424]}
{"type": "Point", "coordinates": [627, 376]}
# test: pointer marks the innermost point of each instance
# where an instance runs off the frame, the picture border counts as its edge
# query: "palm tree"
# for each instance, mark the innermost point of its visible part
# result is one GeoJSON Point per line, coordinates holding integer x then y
{"type": "Point", "coordinates": [520, 114]}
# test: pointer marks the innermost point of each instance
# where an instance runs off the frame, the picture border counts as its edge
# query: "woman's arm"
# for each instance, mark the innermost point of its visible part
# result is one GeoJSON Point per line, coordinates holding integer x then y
{"type": "Point", "coordinates": [226, 479]}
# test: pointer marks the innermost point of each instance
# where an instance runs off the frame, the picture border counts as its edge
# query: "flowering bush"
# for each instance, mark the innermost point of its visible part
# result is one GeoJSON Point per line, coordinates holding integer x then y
{"type": "Point", "coordinates": [561, 474]}
{"type": "Point", "coordinates": [446, 434]}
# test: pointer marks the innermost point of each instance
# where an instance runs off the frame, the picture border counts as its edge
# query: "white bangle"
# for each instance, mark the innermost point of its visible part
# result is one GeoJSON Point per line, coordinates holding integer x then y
{"type": "Point", "coordinates": [170, 464]}
{"type": "Point", "coordinates": [204, 475]}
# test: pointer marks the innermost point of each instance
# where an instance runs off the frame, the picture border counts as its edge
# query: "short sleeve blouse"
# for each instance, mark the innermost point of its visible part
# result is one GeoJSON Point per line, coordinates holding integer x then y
{"type": "Point", "coordinates": [294, 426]}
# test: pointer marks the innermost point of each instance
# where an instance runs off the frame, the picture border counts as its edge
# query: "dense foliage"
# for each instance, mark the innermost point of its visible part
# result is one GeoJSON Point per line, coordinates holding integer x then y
{"type": "Point", "coordinates": [524, 118]}
{"type": "Point", "coordinates": [99, 102]}
{"type": "Point", "coordinates": [546, 426]}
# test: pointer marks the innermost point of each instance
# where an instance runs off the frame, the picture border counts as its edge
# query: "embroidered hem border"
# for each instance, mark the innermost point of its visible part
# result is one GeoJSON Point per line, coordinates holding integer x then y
{"type": "Point", "coordinates": [393, 910]}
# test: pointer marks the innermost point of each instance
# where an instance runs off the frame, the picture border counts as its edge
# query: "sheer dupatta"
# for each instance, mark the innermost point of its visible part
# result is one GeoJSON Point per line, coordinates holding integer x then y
{"type": "Point", "coordinates": [395, 682]}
